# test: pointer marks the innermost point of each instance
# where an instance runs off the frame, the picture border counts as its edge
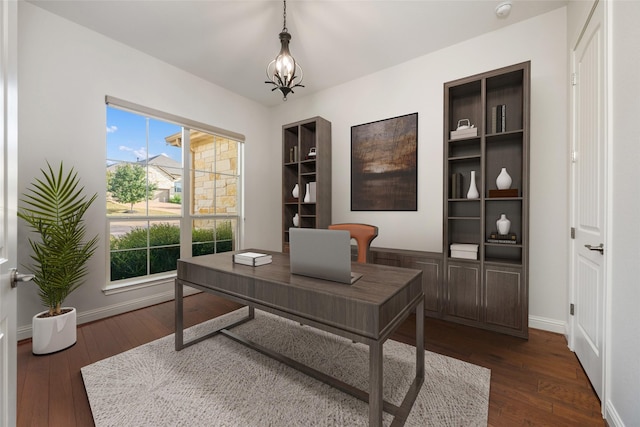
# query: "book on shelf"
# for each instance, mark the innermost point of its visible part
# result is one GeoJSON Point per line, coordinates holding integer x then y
{"type": "Point", "coordinates": [252, 259]}
{"type": "Point", "coordinates": [510, 238]}
{"type": "Point", "coordinates": [293, 154]}
{"type": "Point", "coordinates": [456, 185]}
{"type": "Point", "coordinates": [494, 115]}
{"type": "Point", "coordinates": [499, 118]}
{"type": "Point", "coordinates": [508, 242]}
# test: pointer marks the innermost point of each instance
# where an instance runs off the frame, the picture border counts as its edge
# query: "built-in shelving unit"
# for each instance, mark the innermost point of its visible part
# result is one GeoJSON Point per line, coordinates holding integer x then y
{"type": "Point", "coordinates": [490, 291]}
{"type": "Point", "coordinates": [305, 170]}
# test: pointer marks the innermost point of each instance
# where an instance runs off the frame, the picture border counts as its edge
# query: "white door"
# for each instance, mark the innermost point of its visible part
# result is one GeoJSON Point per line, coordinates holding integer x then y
{"type": "Point", "coordinates": [589, 199]}
{"type": "Point", "coordinates": [8, 203]}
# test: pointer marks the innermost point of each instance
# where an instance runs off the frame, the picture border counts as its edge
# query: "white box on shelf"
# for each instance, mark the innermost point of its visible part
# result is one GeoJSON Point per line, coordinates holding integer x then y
{"type": "Point", "coordinates": [464, 133]}
{"type": "Point", "coordinates": [464, 251]}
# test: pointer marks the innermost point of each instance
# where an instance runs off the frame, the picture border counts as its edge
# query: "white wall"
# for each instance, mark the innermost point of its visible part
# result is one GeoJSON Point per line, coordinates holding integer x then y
{"type": "Point", "coordinates": [65, 71]}
{"type": "Point", "coordinates": [577, 13]}
{"type": "Point", "coordinates": [417, 86]}
{"type": "Point", "coordinates": [623, 382]}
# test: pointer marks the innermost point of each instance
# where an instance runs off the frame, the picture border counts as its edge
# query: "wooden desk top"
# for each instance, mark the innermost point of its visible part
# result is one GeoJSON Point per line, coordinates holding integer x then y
{"type": "Point", "coordinates": [367, 308]}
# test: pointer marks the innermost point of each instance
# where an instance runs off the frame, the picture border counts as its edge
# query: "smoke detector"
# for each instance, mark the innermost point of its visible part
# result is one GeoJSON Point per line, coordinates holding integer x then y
{"type": "Point", "coordinates": [503, 9]}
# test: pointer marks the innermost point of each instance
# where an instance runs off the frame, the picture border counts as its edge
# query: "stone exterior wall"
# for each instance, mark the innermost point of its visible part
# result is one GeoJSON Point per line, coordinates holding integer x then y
{"type": "Point", "coordinates": [214, 180]}
{"type": "Point", "coordinates": [215, 164]}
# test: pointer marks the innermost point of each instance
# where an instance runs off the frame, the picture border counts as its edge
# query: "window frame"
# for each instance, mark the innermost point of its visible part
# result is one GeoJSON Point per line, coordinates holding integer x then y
{"type": "Point", "coordinates": [186, 217]}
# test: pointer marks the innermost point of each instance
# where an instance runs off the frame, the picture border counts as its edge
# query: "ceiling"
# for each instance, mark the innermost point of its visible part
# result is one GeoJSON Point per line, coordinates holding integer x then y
{"type": "Point", "coordinates": [229, 43]}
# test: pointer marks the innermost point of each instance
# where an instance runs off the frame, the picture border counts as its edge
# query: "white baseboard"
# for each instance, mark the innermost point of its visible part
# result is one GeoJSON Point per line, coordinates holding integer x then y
{"type": "Point", "coordinates": [550, 325]}
{"type": "Point", "coordinates": [611, 415]}
{"type": "Point", "coordinates": [24, 332]}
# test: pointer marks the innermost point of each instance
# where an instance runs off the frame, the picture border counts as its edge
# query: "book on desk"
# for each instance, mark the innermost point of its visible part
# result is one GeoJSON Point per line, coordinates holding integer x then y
{"type": "Point", "coordinates": [252, 259]}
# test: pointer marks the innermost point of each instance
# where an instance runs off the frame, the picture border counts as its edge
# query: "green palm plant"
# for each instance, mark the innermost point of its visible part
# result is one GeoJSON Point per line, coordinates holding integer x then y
{"type": "Point", "coordinates": [54, 207]}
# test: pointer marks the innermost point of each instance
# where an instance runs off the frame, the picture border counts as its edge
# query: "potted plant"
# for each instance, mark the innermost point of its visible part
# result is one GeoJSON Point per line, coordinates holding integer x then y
{"type": "Point", "coordinates": [54, 207]}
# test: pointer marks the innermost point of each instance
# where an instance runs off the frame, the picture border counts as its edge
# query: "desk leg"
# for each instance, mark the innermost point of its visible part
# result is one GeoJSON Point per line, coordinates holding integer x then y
{"type": "Point", "coordinates": [420, 340]}
{"type": "Point", "coordinates": [375, 384]}
{"type": "Point", "coordinates": [179, 316]}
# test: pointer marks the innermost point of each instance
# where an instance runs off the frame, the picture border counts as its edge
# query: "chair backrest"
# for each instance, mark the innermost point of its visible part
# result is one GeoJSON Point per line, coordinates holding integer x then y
{"type": "Point", "coordinates": [363, 235]}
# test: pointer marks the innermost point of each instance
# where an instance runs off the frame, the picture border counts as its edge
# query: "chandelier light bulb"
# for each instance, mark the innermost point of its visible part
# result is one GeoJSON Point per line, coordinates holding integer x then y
{"type": "Point", "coordinates": [285, 64]}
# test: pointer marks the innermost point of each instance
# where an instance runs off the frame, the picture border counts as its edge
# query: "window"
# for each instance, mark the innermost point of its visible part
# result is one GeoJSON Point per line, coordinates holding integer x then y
{"type": "Point", "coordinates": [173, 190]}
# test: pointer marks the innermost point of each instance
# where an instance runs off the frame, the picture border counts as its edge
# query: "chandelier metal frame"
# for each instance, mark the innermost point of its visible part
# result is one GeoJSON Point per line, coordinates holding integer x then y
{"type": "Point", "coordinates": [284, 72]}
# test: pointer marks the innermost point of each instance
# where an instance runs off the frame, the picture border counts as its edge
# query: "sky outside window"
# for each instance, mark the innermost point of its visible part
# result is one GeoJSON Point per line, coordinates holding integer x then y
{"type": "Point", "coordinates": [127, 139]}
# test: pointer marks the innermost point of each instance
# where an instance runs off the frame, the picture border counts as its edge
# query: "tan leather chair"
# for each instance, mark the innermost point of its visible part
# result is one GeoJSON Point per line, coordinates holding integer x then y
{"type": "Point", "coordinates": [363, 235]}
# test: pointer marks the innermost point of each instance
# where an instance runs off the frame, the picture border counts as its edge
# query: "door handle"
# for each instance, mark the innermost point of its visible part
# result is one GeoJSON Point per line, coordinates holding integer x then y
{"type": "Point", "coordinates": [599, 248]}
{"type": "Point", "coordinates": [18, 277]}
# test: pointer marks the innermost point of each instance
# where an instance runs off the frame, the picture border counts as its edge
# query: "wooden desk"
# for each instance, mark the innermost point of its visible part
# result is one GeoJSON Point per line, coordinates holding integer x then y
{"type": "Point", "coordinates": [368, 311]}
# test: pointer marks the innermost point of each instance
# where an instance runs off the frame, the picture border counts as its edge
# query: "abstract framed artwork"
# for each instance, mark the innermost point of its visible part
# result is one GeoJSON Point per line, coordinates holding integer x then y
{"type": "Point", "coordinates": [384, 165]}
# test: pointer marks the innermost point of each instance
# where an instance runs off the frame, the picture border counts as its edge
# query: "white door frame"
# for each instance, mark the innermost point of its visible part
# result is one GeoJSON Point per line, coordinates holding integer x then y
{"type": "Point", "coordinates": [8, 207]}
{"type": "Point", "coordinates": [608, 276]}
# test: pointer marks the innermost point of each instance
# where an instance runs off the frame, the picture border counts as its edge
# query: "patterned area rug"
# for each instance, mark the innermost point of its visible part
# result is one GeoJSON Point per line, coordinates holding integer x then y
{"type": "Point", "coordinates": [219, 382]}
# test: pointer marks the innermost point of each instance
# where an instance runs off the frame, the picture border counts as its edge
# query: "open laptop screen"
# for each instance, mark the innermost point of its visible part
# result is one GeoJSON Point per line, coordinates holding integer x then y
{"type": "Point", "coordinates": [323, 254]}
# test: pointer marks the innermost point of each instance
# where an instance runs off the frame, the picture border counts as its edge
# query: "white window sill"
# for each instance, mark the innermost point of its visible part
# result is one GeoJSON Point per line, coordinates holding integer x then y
{"type": "Point", "coordinates": [140, 283]}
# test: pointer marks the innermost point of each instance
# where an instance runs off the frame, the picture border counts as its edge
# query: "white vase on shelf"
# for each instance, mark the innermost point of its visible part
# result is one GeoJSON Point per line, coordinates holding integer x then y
{"type": "Point", "coordinates": [503, 224]}
{"type": "Point", "coordinates": [307, 194]}
{"type": "Point", "coordinates": [503, 181]}
{"type": "Point", "coordinates": [296, 191]}
{"type": "Point", "coordinates": [296, 220]}
{"type": "Point", "coordinates": [473, 190]}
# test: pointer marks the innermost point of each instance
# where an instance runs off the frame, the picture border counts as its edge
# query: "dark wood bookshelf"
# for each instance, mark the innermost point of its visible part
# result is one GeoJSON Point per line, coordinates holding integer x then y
{"type": "Point", "coordinates": [492, 292]}
{"type": "Point", "coordinates": [299, 168]}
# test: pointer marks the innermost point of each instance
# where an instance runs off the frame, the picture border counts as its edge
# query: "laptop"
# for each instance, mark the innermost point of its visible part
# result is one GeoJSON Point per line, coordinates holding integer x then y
{"type": "Point", "coordinates": [323, 254]}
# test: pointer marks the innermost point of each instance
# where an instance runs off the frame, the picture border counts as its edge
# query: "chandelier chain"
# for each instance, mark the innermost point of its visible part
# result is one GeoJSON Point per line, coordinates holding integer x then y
{"type": "Point", "coordinates": [284, 17]}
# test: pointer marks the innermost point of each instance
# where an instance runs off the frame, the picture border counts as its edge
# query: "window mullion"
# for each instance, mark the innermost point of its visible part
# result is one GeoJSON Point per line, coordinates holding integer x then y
{"type": "Point", "coordinates": [186, 221]}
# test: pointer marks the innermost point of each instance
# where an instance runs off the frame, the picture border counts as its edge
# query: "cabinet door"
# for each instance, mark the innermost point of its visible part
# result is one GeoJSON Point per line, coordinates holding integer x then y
{"type": "Point", "coordinates": [463, 290]}
{"type": "Point", "coordinates": [386, 258]}
{"type": "Point", "coordinates": [431, 272]}
{"type": "Point", "coordinates": [503, 296]}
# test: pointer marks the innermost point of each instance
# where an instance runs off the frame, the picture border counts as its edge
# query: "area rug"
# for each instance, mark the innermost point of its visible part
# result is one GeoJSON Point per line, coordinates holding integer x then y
{"type": "Point", "coordinates": [219, 382]}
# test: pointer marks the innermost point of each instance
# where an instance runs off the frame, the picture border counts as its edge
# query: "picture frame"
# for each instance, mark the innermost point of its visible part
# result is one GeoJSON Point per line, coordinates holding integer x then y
{"type": "Point", "coordinates": [384, 165]}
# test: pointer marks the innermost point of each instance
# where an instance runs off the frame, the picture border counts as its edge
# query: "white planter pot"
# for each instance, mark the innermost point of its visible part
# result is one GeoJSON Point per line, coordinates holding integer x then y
{"type": "Point", "coordinates": [51, 334]}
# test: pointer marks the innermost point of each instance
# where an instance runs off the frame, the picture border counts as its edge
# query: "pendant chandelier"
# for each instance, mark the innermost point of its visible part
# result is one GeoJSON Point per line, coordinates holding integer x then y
{"type": "Point", "coordinates": [283, 72]}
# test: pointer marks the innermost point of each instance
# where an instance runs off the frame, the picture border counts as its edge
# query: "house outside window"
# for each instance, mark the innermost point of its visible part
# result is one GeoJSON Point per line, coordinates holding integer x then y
{"type": "Point", "coordinates": [172, 191]}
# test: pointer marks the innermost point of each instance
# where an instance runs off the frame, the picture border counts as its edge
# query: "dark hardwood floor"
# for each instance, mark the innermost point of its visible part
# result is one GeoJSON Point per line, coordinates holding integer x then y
{"type": "Point", "coordinates": [538, 382]}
